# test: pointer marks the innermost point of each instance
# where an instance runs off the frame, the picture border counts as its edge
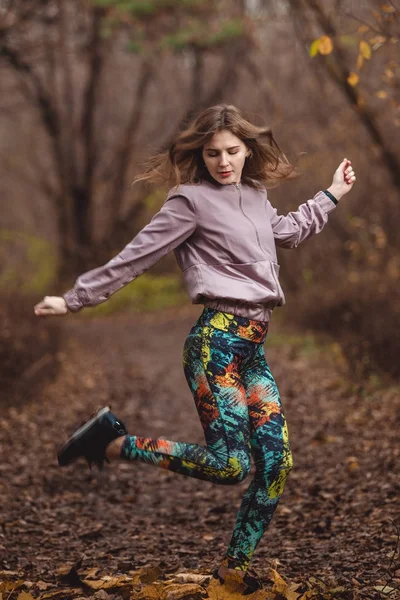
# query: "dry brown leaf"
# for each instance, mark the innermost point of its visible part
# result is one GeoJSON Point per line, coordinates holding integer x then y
{"type": "Point", "coordinates": [10, 586]}
{"type": "Point", "coordinates": [107, 582]}
{"type": "Point", "coordinates": [190, 578]}
{"type": "Point", "coordinates": [284, 589]}
{"type": "Point", "coordinates": [149, 574]}
{"type": "Point", "coordinates": [91, 532]}
{"type": "Point", "coordinates": [153, 591]}
{"type": "Point", "coordinates": [176, 591]}
{"type": "Point", "coordinates": [101, 595]}
{"type": "Point", "coordinates": [9, 573]}
{"type": "Point", "coordinates": [43, 585]}
{"type": "Point", "coordinates": [216, 591]}
{"type": "Point", "coordinates": [91, 573]}
{"type": "Point", "coordinates": [64, 593]}
{"type": "Point", "coordinates": [25, 596]}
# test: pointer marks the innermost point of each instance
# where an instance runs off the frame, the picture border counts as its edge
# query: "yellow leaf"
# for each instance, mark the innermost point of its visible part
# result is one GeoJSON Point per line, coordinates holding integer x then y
{"type": "Point", "coordinates": [360, 61]}
{"type": "Point", "coordinates": [365, 49]}
{"type": "Point", "coordinates": [382, 94]}
{"type": "Point", "coordinates": [353, 79]}
{"type": "Point", "coordinates": [313, 51]}
{"type": "Point", "coordinates": [325, 45]}
{"type": "Point", "coordinates": [388, 8]}
{"type": "Point", "coordinates": [25, 596]}
{"type": "Point", "coordinates": [363, 29]}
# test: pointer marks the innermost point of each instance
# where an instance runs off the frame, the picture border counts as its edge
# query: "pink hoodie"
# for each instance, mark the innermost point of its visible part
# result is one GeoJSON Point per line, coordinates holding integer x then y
{"type": "Point", "coordinates": [224, 238]}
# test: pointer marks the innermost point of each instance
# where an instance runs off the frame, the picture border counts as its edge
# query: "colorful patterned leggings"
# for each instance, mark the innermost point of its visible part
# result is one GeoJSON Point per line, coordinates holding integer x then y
{"type": "Point", "coordinates": [241, 414]}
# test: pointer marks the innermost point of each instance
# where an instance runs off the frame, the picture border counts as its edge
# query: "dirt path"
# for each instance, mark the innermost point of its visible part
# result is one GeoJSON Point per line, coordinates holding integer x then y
{"type": "Point", "coordinates": [335, 518]}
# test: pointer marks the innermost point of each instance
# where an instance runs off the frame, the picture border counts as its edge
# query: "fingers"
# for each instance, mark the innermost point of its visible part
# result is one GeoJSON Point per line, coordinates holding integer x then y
{"type": "Point", "coordinates": [348, 172]}
{"type": "Point", "coordinates": [44, 312]}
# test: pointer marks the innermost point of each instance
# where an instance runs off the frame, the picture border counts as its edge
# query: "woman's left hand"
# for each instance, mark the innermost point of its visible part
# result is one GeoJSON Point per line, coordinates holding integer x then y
{"type": "Point", "coordinates": [343, 179]}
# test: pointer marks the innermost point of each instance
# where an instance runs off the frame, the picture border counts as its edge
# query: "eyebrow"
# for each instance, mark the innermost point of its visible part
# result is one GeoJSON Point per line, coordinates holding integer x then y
{"type": "Point", "coordinates": [217, 149]}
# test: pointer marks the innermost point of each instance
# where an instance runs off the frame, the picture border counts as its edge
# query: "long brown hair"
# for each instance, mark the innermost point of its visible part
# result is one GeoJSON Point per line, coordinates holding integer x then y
{"type": "Point", "coordinates": [183, 161]}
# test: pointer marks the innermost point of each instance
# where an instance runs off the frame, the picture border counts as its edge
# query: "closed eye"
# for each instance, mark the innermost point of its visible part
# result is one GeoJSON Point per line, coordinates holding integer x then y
{"type": "Point", "coordinates": [212, 155]}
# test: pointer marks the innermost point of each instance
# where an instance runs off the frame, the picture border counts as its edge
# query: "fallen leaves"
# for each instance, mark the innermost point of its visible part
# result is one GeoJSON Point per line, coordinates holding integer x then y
{"type": "Point", "coordinates": [157, 524]}
{"type": "Point", "coordinates": [148, 584]}
{"type": "Point", "coordinates": [25, 596]}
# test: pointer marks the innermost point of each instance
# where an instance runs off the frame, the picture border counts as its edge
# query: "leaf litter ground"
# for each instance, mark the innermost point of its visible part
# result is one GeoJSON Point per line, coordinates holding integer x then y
{"type": "Point", "coordinates": [135, 531]}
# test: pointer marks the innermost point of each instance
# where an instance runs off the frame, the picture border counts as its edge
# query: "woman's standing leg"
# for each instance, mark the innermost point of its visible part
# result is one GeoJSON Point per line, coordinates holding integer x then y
{"type": "Point", "coordinates": [273, 459]}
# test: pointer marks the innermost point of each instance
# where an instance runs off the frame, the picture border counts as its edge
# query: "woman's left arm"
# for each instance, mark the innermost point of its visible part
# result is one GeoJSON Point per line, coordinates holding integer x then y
{"type": "Point", "coordinates": [310, 218]}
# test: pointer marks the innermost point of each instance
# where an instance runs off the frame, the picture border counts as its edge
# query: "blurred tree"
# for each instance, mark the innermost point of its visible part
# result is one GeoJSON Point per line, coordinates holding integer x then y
{"type": "Point", "coordinates": [380, 32]}
{"type": "Point", "coordinates": [60, 53]}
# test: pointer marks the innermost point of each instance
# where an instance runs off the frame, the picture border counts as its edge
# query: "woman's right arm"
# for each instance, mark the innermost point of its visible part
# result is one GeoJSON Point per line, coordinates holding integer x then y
{"type": "Point", "coordinates": [171, 226]}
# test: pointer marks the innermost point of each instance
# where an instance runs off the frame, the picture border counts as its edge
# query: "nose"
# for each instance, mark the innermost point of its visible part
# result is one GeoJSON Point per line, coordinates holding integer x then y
{"type": "Point", "coordinates": [223, 161]}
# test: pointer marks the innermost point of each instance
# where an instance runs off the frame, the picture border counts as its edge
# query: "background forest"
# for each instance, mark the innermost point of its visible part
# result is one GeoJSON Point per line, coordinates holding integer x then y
{"type": "Point", "coordinates": [89, 89]}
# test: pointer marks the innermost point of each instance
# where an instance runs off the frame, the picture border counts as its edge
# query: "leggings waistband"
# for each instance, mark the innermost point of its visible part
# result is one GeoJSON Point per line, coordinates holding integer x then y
{"type": "Point", "coordinates": [248, 329]}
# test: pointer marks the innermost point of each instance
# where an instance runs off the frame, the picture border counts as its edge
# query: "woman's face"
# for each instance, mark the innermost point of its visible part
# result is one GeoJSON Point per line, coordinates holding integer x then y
{"type": "Point", "coordinates": [224, 157]}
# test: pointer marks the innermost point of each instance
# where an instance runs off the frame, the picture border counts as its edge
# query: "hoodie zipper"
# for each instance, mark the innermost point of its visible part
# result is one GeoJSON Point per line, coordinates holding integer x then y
{"type": "Point", "coordinates": [237, 186]}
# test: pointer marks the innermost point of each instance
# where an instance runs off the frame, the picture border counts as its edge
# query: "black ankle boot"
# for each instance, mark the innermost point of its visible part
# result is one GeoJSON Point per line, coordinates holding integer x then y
{"type": "Point", "coordinates": [91, 440]}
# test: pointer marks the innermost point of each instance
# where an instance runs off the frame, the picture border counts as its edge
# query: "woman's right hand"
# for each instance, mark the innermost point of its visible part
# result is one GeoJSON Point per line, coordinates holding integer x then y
{"type": "Point", "coordinates": [51, 305]}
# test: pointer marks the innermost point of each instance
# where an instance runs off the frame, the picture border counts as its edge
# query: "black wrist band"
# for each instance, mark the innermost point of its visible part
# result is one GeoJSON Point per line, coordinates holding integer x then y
{"type": "Point", "coordinates": [331, 196]}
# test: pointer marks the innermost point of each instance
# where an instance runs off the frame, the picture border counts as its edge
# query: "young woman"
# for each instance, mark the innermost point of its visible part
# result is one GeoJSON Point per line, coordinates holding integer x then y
{"type": "Point", "coordinates": [224, 231]}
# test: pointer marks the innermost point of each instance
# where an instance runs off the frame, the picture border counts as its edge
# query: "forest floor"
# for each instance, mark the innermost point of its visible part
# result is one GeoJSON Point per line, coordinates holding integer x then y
{"type": "Point", "coordinates": [335, 531]}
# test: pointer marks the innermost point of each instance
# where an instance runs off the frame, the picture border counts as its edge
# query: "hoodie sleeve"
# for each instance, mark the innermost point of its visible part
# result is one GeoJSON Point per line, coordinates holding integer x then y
{"type": "Point", "coordinates": [295, 227]}
{"type": "Point", "coordinates": [168, 228]}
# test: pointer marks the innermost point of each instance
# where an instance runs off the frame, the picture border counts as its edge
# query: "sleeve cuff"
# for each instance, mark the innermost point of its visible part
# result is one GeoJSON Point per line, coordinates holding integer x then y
{"type": "Point", "coordinates": [72, 301]}
{"type": "Point", "coordinates": [331, 196]}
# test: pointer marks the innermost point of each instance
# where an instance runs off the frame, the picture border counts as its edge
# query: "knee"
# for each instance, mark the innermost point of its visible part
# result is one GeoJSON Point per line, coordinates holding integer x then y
{"type": "Point", "coordinates": [272, 474]}
{"type": "Point", "coordinates": [236, 470]}
{"type": "Point", "coordinates": [277, 479]}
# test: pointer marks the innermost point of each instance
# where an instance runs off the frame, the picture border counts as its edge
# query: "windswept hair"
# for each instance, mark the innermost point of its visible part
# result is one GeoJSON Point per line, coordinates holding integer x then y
{"type": "Point", "coordinates": [183, 161]}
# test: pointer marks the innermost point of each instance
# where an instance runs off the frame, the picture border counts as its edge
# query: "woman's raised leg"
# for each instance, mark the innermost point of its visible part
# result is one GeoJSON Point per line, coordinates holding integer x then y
{"type": "Point", "coordinates": [211, 363]}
